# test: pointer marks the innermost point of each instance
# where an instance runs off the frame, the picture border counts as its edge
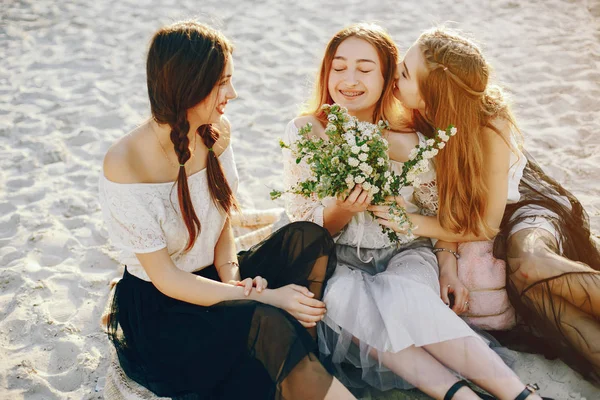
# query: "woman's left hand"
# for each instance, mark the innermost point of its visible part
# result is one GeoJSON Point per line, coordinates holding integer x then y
{"type": "Point", "coordinates": [258, 282]}
{"type": "Point", "coordinates": [384, 216]}
{"type": "Point", "coordinates": [450, 284]}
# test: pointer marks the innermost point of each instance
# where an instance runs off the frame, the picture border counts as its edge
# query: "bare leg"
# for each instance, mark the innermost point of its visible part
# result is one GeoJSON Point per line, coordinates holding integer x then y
{"type": "Point", "coordinates": [560, 298]}
{"type": "Point", "coordinates": [310, 380]}
{"type": "Point", "coordinates": [533, 257]}
{"type": "Point", "coordinates": [420, 369]}
{"type": "Point", "coordinates": [472, 358]}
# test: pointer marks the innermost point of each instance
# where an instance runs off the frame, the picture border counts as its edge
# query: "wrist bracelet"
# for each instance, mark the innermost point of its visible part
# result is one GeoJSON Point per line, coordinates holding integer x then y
{"type": "Point", "coordinates": [234, 263]}
{"type": "Point", "coordinates": [438, 249]}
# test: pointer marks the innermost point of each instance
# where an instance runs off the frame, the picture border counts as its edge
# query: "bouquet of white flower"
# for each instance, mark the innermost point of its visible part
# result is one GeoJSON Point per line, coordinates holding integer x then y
{"type": "Point", "coordinates": [357, 153]}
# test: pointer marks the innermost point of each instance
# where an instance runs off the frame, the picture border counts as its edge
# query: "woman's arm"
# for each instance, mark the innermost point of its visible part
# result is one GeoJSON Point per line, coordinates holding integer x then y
{"type": "Point", "coordinates": [226, 255]}
{"type": "Point", "coordinates": [450, 284]}
{"type": "Point", "coordinates": [185, 286]}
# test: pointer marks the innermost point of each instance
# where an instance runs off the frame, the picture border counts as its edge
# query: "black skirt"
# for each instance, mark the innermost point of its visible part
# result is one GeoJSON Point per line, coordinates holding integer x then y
{"type": "Point", "coordinates": [553, 317]}
{"type": "Point", "coordinates": [234, 349]}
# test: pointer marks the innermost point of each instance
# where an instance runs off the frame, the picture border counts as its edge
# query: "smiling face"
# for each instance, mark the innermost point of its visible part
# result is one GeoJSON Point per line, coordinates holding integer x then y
{"type": "Point", "coordinates": [210, 110]}
{"type": "Point", "coordinates": [407, 84]}
{"type": "Point", "coordinates": [355, 79]}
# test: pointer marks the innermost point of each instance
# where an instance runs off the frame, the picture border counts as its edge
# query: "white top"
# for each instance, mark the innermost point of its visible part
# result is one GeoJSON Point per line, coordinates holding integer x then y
{"type": "Point", "coordinates": [145, 217]}
{"type": "Point", "coordinates": [362, 230]}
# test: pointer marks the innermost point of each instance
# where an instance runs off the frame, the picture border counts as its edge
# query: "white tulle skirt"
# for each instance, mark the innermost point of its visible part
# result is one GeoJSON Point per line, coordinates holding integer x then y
{"type": "Point", "coordinates": [387, 304]}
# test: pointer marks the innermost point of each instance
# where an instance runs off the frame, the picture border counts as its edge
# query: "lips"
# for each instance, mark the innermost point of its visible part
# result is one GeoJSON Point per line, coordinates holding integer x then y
{"type": "Point", "coordinates": [351, 93]}
{"type": "Point", "coordinates": [221, 108]}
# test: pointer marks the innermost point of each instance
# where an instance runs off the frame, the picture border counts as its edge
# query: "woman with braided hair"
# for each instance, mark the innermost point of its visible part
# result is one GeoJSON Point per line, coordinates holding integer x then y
{"type": "Point", "coordinates": [489, 186]}
{"type": "Point", "coordinates": [191, 319]}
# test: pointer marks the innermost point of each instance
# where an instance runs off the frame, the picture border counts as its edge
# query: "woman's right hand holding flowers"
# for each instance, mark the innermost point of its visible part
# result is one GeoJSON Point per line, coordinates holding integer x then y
{"type": "Point", "coordinates": [357, 201]}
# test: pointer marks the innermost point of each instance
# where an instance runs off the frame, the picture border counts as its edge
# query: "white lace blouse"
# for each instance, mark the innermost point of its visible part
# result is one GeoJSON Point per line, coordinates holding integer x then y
{"type": "Point", "coordinates": [145, 217]}
{"type": "Point", "coordinates": [362, 231]}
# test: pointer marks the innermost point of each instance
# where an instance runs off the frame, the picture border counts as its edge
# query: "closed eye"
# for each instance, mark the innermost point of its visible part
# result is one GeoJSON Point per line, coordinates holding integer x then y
{"type": "Point", "coordinates": [365, 72]}
{"type": "Point", "coordinates": [404, 74]}
{"type": "Point", "coordinates": [339, 69]}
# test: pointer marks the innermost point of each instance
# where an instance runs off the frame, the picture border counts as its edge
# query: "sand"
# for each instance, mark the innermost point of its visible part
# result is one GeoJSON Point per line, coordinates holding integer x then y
{"type": "Point", "coordinates": [72, 81]}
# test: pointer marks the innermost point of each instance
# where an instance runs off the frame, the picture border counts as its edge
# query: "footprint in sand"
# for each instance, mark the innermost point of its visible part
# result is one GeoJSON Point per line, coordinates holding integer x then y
{"type": "Point", "coordinates": [9, 227]}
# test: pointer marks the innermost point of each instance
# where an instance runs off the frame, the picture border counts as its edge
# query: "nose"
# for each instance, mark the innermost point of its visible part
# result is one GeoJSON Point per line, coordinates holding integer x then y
{"type": "Point", "coordinates": [232, 94]}
{"type": "Point", "coordinates": [351, 78]}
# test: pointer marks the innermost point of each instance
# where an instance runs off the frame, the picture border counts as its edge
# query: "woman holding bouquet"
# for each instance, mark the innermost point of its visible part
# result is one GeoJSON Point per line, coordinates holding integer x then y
{"type": "Point", "coordinates": [190, 318]}
{"type": "Point", "coordinates": [491, 187]}
{"type": "Point", "coordinates": [385, 317]}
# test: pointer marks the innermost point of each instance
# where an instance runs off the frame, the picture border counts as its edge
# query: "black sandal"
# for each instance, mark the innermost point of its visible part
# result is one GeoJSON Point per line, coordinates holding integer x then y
{"type": "Point", "coordinates": [460, 384]}
{"type": "Point", "coordinates": [455, 388]}
{"type": "Point", "coordinates": [530, 389]}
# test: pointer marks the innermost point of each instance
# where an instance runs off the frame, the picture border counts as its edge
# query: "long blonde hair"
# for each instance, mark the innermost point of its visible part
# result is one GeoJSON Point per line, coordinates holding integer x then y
{"type": "Point", "coordinates": [456, 90]}
{"type": "Point", "coordinates": [387, 107]}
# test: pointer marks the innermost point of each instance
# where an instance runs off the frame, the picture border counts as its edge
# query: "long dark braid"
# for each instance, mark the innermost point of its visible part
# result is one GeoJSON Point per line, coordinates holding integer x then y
{"type": "Point", "coordinates": [219, 189]}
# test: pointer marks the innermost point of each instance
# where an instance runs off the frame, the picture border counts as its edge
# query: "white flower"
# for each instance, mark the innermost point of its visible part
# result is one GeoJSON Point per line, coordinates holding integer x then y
{"type": "Point", "coordinates": [350, 179]}
{"type": "Point", "coordinates": [387, 174]}
{"type": "Point", "coordinates": [359, 179]}
{"type": "Point", "coordinates": [443, 137]}
{"type": "Point", "coordinates": [453, 131]}
{"type": "Point", "coordinates": [366, 168]}
{"type": "Point", "coordinates": [381, 162]}
{"type": "Point", "coordinates": [335, 160]}
{"type": "Point", "coordinates": [353, 162]}
{"type": "Point", "coordinates": [416, 182]}
{"type": "Point", "coordinates": [364, 148]}
{"type": "Point", "coordinates": [366, 186]}
{"type": "Point", "coordinates": [384, 140]}
{"type": "Point", "coordinates": [332, 118]}
{"type": "Point", "coordinates": [374, 190]}
{"type": "Point", "coordinates": [430, 142]}
{"type": "Point", "coordinates": [441, 145]}
{"type": "Point", "coordinates": [413, 153]}
{"type": "Point", "coordinates": [350, 139]}
{"type": "Point", "coordinates": [362, 157]}
{"type": "Point", "coordinates": [330, 128]}
{"type": "Point", "coordinates": [355, 149]}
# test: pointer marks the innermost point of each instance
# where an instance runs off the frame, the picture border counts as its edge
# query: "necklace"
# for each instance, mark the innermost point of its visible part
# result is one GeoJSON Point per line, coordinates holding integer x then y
{"type": "Point", "coordinates": [165, 152]}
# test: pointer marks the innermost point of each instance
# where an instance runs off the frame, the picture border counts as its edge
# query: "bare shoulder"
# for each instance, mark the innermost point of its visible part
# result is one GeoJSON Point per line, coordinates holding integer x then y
{"type": "Point", "coordinates": [317, 126]}
{"type": "Point", "coordinates": [500, 131]}
{"type": "Point", "coordinates": [400, 144]}
{"type": "Point", "coordinates": [121, 158]}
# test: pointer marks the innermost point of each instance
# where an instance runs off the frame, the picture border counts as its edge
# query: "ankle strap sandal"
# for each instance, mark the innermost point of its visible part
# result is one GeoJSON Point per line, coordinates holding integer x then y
{"type": "Point", "coordinates": [460, 384]}
{"type": "Point", "coordinates": [530, 389]}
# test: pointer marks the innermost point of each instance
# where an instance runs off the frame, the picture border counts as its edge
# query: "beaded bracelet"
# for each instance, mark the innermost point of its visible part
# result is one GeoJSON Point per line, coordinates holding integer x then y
{"type": "Point", "coordinates": [438, 249]}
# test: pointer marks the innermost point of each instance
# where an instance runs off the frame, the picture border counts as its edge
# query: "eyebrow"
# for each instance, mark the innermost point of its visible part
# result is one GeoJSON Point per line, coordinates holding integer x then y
{"type": "Point", "coordinates": [360, 60]}
{"type": "Point", "coordinates": [406, 69]}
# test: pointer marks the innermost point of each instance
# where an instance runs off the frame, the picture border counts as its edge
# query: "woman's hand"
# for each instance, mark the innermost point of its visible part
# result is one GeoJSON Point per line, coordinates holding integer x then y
{"type": "Point", "coordinates": [451, 285]}
{"type": "Point", "coordinates": [298, 301]}
{"type": "Point", "coordinates": [383, 213]}
{"type": "Point", "coordinates": [258, 282]}
{"type": "Point", "coordinates": [357, 201]}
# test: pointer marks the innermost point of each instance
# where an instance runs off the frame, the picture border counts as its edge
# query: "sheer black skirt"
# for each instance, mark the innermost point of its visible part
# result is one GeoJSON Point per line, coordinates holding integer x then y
{"type": "Point", "coordinates": [231, 350]}
{"type": "Point", "coordinates": [553, 279]}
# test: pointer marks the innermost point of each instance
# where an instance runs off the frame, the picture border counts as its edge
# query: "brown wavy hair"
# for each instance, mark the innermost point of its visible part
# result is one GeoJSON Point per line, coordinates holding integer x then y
{"type": "Point", "coordinates": [387, 107]}
{"type": "Point", "coordinates": [185, 62]}
{"type": "Point", "coordinates": [456, 89]}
